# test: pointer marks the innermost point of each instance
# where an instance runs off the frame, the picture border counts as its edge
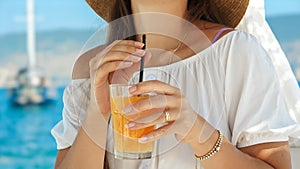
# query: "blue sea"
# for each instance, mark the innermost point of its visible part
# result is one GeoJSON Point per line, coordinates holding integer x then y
{"type": "Point", "coordinates": [25, 139]}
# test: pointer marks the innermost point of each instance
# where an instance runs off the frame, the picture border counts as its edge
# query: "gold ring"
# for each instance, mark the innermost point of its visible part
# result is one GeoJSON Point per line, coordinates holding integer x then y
{"type": "Point", "coordinates": [167, 116]}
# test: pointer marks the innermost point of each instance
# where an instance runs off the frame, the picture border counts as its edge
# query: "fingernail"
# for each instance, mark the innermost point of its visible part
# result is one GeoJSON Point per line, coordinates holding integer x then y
{"type": "Point", "coordinates": [140, 52]}
{"type": "Point", "coordinates": [126, 64]}
{"type": "Point", "coordinates": [127, 110]}
{"type": "Point", "coordinates": [134, 58]}
{"type": "Point", "coordinates": [139, 44]}
{"type": "Point", "coordinates": [132, 89]}
{"type": "Point", "coordinates": [130, 125]}
{"type": "Point", "coordinates": [143, 139]}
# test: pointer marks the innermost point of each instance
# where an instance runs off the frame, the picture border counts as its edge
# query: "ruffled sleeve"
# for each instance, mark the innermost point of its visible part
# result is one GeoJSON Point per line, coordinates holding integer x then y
{"type": "Point", "coordinates": [75, 98]}
{"type": "Point", "coordinates": [256, 109]}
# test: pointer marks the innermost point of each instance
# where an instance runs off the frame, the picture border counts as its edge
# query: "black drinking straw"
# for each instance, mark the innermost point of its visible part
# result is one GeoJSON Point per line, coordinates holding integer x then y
{"type": "Point", "coordinates": [142, 60]}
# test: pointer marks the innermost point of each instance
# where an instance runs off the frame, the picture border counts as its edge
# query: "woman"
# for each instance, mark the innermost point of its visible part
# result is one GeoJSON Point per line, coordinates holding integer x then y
{"type": "Point", "coordinates": [237, 93]}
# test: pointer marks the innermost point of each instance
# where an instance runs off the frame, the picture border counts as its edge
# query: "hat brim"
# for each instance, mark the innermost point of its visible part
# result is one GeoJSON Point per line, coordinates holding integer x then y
{"type": "Point", "coordinates": [103, 8]}
{"type": "Point", "coordinates": [230, 11]}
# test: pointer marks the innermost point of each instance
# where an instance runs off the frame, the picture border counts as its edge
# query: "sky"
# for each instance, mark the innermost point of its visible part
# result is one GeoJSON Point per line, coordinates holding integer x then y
{"type": "Point", "coordinates": [50, 14]}
{"type": "Point", "coordinates": [282, 7]}
{"type": "Point", "coordinates": [76, 14]}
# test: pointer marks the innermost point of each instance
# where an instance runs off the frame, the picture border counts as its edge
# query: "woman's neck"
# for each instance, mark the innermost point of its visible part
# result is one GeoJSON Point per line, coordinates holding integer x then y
{"type": "Point", "coordinates": [165, 28]}
{"type": "Point", "coordinates": [157, 41]}
{"type": "Point", "coordinates": [167, 9]}
{"type": "Point", "coordinates": [172, 7]}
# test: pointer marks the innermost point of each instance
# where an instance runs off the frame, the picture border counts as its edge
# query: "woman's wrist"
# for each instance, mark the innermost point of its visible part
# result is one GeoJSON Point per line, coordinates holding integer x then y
{"type": "Point", "coordinates": [216, 148]}
{"type": "Point", "coordinates": [204, 148]}
{"type": "Point", "coordinates": [203, 137]}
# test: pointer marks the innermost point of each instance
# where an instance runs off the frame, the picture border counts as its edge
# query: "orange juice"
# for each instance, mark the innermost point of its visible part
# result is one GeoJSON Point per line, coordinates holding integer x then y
{"type": "Point", "coordinates": [126, 141]}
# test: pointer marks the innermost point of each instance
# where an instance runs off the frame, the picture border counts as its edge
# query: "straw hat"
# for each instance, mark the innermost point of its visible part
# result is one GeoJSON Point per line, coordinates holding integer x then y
{"type": "Point", "coordinates": [231, 11]}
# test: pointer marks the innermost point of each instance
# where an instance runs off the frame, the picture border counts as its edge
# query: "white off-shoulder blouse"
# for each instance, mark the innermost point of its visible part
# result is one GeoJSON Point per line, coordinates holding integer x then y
{"type": "Point", "coordinates": [232, 84]}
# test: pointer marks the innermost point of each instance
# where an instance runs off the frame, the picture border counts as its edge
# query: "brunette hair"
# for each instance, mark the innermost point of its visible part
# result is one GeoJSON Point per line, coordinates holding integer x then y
{"type": "Point", "coordinates": [123, 27]}
{"type": "Point", "coordinates": [204, 10]}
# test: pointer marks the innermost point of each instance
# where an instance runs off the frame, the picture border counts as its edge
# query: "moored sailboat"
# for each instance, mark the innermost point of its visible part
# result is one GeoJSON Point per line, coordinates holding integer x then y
{"type": "Point", "coordinates": [31, 85]}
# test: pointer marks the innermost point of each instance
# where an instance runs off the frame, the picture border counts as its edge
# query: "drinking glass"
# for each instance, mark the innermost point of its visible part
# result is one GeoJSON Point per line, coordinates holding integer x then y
{"type": "Point", "coordinates": [126, 144]}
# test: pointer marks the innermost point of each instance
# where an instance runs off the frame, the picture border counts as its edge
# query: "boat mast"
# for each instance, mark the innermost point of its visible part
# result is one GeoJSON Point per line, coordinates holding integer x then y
{"type": "Point", "coordinates": [31, 34]}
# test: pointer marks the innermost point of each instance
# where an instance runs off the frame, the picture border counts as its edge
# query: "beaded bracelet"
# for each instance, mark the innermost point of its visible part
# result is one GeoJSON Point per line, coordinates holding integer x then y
{"type": "Point", "coordinates": [214, 150]}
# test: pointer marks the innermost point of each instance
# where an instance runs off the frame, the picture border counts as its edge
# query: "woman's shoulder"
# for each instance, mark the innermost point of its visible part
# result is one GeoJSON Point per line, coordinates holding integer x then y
{"type": "Point", "coordinates": [242, 51]}
{"type": "Point", "coordinates": [237, 43]}
{"type": "Point", "coordinates": [81, 69]}
{"type": "Point", "coordinates": [238, 37]}
{"type": "Point", "coordinates": [80, 84]}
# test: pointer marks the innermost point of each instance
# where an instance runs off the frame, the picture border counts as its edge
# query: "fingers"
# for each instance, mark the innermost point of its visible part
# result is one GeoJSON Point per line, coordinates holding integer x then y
{"type": "Point", "coordinates": [152, 111]}
{"type": "Point", "coordinates": [124, 74]}
{"type": "Point", "coordinates": [156, 134]}
{"type": "Point", "coordinates": [152, 102]}
{"type": "Point", "coordinates": [131, 43]}
{"type": "Point", "coordinates": [162, 119]}
{"type": "Point", "coordinates": [110, 67]}
{"type": "Point", "coordinates": [118, 55]}
{"type": "Point", "coordinates": [123, 53]}
{"type": "Point", "coordinates": [154, 86]}
{"type": "Point", "coordinates": [129, 49]}
{"type": "Point", "coordinates": [139, 111]}
{"type": "Point", "coordinates": [125, 50]}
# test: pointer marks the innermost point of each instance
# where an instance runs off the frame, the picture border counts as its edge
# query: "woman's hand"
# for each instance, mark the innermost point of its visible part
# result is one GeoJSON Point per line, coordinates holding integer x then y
{"type": "Point", "coordinates": [181, 117]}
{"type": "Point", "coordinates": [116, 63]}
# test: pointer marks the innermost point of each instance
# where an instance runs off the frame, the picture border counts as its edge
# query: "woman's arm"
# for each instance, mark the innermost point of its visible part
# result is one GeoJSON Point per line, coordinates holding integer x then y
{"type": "Point", "coordinates": [84, 153]}
{"type": "Point", "coordinates": [201, 136]}
{"type": "Point", "coordinates": [276, 153]}
{"type": "Point", "coordinates": [60, 156]}
{"type": "Point", "coordinates": [87, 151]}
{"type": "Point", "coordinates": [263, 156]}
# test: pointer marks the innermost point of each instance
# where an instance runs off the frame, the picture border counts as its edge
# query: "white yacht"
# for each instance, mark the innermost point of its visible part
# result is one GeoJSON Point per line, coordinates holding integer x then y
{"type": "Point", "coordinates": [30, 85]}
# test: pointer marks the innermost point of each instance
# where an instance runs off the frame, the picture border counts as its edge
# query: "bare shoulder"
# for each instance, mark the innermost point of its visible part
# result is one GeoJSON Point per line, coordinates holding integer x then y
{"type": "Point", "coordinates": [81, 69]}
{"type": "Point", "coordinates": [211, 30]}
